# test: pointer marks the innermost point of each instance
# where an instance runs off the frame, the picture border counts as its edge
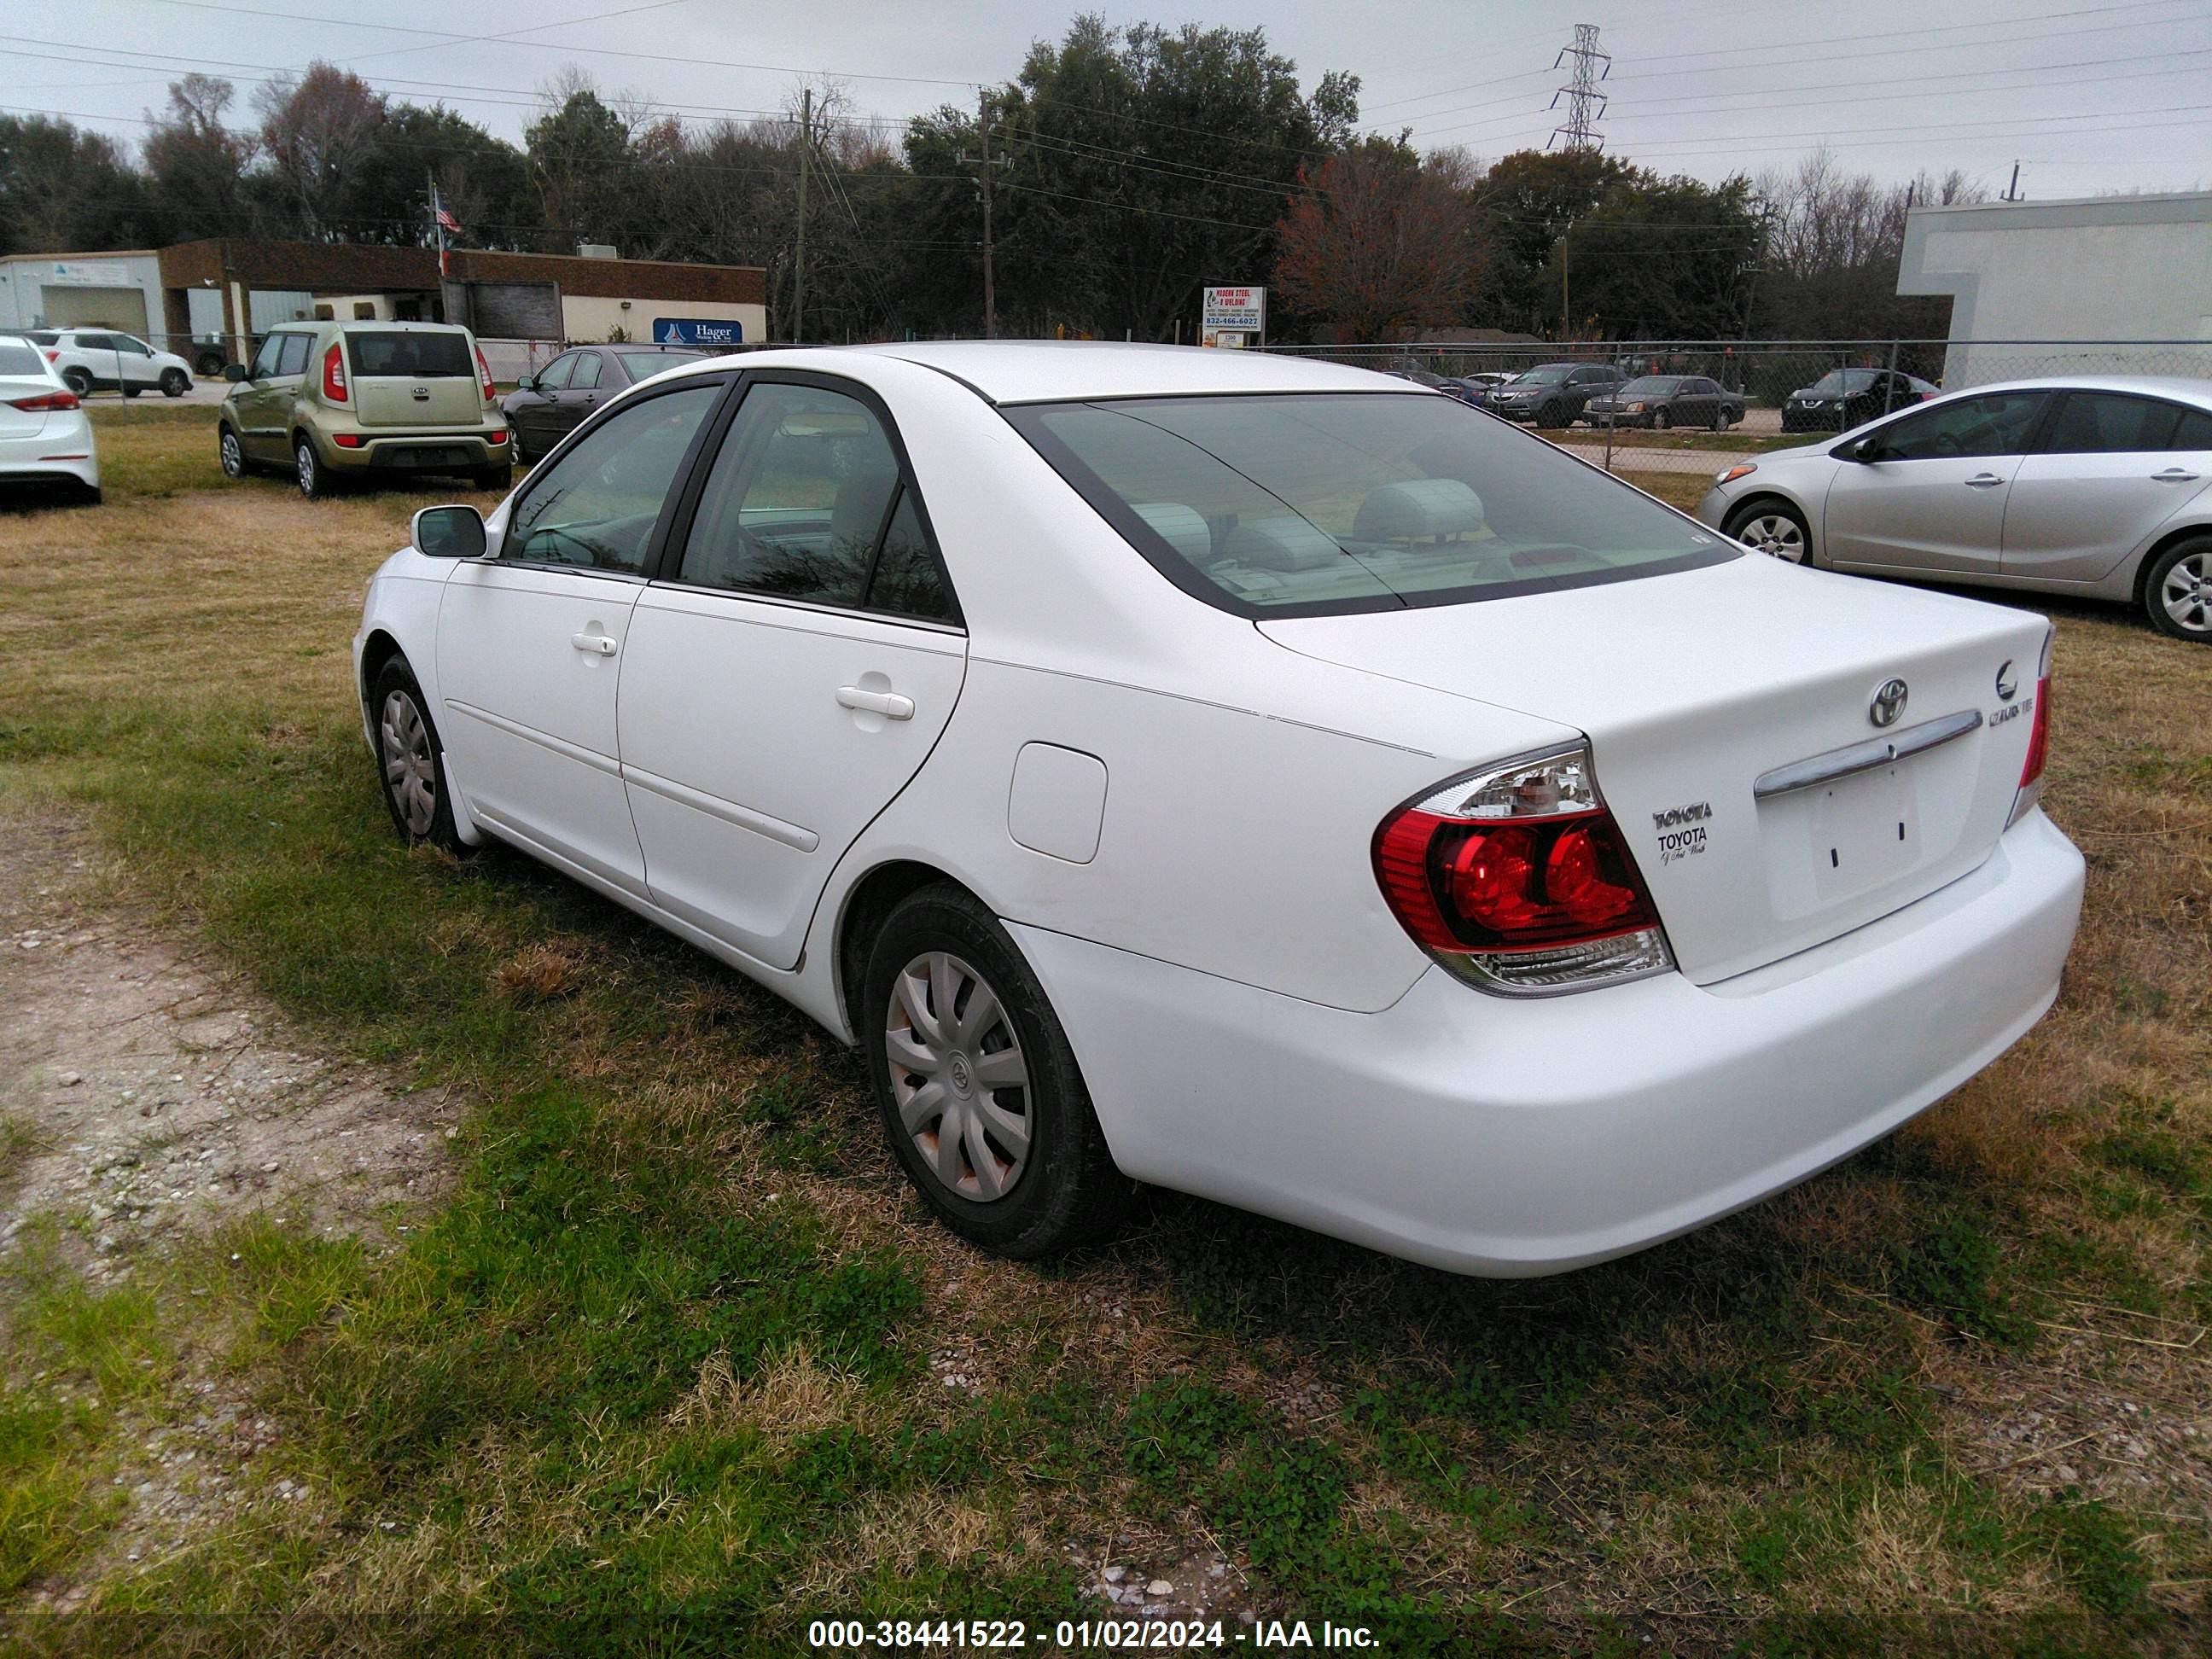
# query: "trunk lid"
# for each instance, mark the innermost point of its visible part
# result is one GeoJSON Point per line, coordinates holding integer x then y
{"type": "Point", "coordinates": [1692, 687]}
{"type": "Point", "coordinates": [413, 377]}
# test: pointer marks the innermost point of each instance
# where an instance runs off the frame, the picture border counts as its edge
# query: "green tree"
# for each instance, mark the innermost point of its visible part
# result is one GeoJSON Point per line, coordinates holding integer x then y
{"type": "Point", "coordinates": [66, 190]}
{"type": "Point", "coordinates": [580, 163]}
{"type": "Point", "coordinates": [481, 180]}
{"type": "Point", "coordinates": [1530, 197]}
{"type": "Point", "coordinates": [1660, 258]}
{"type": "Point", "coordinates": [197, 164]}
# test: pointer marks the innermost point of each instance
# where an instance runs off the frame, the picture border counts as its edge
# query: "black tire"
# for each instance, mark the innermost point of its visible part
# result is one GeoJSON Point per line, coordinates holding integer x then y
{"type": "Point", "coordinates": [498, 478]}
{"type": "Point", "coordinates": [230, 453]}
{"type": "Point", "coordinates": [208, 365]}
{"type": "Point", "coordinates": [1552, 415]}
{"type": "Point", "coordinates": [1738, 524]}
{"type": "Point", "coordinates": [175, 383]}
{"type": "Point", "coordinates": [1720, 419]}
{"type": "Point", "coordinates": [78, 381]}
{"type": "Point", "coordinates": [1064, 1188]}
{"type": "Point", "coordinates": [307, 470]}
{"type": "Point", "coordinates": [90, 495]}
{"type": "Point", "coordinates": [395, 687]}
{"type": "Point", "coordinates": [131, 391]}
{"type": "Point", "coordinates": [2178, 591]}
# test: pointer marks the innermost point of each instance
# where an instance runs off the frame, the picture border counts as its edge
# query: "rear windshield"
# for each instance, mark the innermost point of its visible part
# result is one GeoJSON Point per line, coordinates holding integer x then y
{"type": "Point", "coordinates": [642, 363]}
{"type": "Point", "coordinates": [17, 357]}
{"type": "Point", "coordinates": [1329, 502]}
{"type": "Point", "coordinates": [1844, 380]}
{"type": "Point", "coordinates": [398, 352]}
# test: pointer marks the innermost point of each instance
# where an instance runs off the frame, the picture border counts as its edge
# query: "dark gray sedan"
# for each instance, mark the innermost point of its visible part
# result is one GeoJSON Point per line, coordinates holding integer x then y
{"type": "Point", "coordinates": [1660, 401]}
{"type": "Point", "coordinates": [546, 406]}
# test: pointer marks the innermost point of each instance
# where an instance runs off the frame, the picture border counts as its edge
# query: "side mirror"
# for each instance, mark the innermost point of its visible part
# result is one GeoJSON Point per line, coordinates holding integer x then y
{"type": "Point", "coordinates": [527, 383]}
{"type": "Point", "coordinates": [1867, 449]}
{"type": "Point", "coordinates": [234, 372]}
{"type": "Point", "coordinates": [447, 532]}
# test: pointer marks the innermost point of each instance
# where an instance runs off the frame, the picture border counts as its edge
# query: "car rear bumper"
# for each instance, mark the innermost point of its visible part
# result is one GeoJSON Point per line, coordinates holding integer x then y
{"type": "Point", "coordinates": [61, 451]}
{"type": "Point", "coordinates": [419, 451]}
{"type": "Point", "coordinates": [1485, 1135]}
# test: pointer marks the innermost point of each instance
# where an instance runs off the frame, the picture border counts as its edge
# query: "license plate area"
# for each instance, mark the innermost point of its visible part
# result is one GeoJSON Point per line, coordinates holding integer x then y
{"type": "Point", "coordinates": [1835, 840]}
{"type": "Point", "coordinates": [1865, 832]}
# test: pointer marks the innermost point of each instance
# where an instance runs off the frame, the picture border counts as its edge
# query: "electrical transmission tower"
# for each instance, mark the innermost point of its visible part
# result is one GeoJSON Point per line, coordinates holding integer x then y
{"type": "Point", "coordinates": [1585, 103]}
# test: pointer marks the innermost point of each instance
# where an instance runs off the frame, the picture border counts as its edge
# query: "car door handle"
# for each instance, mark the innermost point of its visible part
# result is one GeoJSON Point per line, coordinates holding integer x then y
{"type": "Point", "coordinates": [1984, 481]}
{"type": "Point", "coordinates": [889, 704]}
{"type": "Point", "coordinates": [599, 645]}
{"type": "Point", "coordinates": [2173, 475]}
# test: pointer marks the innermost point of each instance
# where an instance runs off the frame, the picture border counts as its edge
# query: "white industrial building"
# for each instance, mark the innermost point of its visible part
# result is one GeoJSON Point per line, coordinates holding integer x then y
{"type": "Point", "coordinates": [2099, 284]}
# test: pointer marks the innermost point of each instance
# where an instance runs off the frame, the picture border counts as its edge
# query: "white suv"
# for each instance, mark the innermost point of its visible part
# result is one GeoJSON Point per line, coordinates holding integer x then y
{"type": "Point", "coordinates": [104, 359]}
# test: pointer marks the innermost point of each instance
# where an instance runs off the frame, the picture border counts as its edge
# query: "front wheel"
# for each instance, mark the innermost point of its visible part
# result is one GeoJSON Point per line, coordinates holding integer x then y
{"type": "Point", "coordinates": [175, 383]}
{"type": "Point", "coordinates": [977, 1086]}
{"type": "Point", "coordinates": [1552, 415]}
{"type": "Point", "coordinates": [231, 453]}
{"type": "Point", "coordinates": [1720, 419]}
{"type": "Point", "coordinates": [411, 760]}
{"type": "Point", "coordinates": [2177, 593]}
{"type": "Point", "coordinates": [1664, 421]}
{"type": "Point", "coordinates": [1771, 527]}
{"type": "Point", "coordinates": [132, 391]}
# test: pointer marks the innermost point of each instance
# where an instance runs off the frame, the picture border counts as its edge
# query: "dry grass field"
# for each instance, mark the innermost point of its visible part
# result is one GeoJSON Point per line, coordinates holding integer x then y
{"type": "Point", "coordinates": [672, 1363]}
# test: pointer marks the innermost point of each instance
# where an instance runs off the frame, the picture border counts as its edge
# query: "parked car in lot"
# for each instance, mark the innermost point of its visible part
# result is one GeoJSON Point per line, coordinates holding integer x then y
{"type": "Point", "coordinates": [546, 406]}
{"type": "Point", "coordinates": [46, 439]}
{"type": "Point", "coordinates": [1250, 775]}
{"type": "Point", "coordinates": [2098, 487]}
{"type": "Point", "coordinates": [1660, 401]}
{"type": "Point", "coordinates": [1552, 394]}
{"type": "Point", "coordinates": [1475, 388]}
{"type": "Point", "coordinates": [1845, 396]}
{"type": "Point", "coordinates": [91, 360]}
{"type": "Point", "coordinates": [334, 402]}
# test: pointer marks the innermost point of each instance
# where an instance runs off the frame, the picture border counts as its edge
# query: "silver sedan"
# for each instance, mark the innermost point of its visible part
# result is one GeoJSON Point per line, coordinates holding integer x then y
{"type": "Point", "coordinates": [2098, 486]}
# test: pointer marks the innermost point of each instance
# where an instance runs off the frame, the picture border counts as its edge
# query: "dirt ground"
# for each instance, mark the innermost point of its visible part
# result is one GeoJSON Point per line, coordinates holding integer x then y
{"type": "Point", "coordinates": [151, 1097]}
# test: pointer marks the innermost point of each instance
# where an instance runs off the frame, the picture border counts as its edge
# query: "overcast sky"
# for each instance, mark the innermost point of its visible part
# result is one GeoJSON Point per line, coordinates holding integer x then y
{"type": "Point", "coordinates": [2086, 97]}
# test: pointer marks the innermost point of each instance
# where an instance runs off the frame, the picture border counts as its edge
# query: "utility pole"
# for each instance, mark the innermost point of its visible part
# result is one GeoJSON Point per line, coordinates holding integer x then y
{"type": "Point", "coordinates": [1585, 103]}
{"type": "Point", "coordinates": [798, 258]}
{"type": "Point", "coordinates": [1564, 236]}
{"type": "Point", "coordinates": [989, 164]}
{"type": "Point", "coordinates": [2012, 190]}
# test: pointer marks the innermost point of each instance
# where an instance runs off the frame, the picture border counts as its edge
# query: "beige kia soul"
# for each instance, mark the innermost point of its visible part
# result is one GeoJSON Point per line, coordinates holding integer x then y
{"type": "Point", "coordinates": [337, 402]}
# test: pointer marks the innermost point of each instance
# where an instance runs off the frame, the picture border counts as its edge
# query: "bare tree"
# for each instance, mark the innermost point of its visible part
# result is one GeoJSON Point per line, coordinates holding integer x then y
{"type": "Point", "coordinates": [1380, 246]}
{"type": "Point", "coordinates": [316, 132]}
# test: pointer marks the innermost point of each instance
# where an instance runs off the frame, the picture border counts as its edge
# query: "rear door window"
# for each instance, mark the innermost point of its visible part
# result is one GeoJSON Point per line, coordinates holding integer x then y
{"type": "Point", "coordinates": [587, 372]}
{"type": "Point", "coordinates": [2109, 424]}
{"type": "Point", "coordinates": [401, 352]}
{"type": "Point", "coordinates": [292, 358]}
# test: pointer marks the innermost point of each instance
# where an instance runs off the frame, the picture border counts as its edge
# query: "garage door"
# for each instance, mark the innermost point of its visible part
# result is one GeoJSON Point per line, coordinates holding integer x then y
{"type": "Point", "coordinates": [94, 308]}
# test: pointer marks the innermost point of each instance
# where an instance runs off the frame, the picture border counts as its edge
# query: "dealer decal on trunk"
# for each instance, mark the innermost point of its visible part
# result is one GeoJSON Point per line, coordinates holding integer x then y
{"type": "Point", "coordinates": [1682, 830]}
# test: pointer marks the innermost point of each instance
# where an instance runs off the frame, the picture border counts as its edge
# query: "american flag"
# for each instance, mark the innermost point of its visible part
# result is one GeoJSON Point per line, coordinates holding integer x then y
{"type": "Point", "coordinates": [447, 222]}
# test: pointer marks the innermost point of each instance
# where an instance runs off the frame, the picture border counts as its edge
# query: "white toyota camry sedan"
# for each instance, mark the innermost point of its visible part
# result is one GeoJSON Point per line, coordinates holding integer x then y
{"type": "Point", "coordinates": [1256, 777]}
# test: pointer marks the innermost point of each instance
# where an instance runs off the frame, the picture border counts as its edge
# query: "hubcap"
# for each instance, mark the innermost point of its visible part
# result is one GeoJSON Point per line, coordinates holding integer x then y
{"type": "Point", "coordinates": [1771, 532]}
{"type": "Point", "coordinates": [958, 1077]}
{"type": "Point", "coordinates": [232, 460]}
{"type": "Point", "coordinates": [2186, 592]}
{"type": "Point", "coordinates": [411, 771]}
{"type": "Point", "coordinates": [305, 457]}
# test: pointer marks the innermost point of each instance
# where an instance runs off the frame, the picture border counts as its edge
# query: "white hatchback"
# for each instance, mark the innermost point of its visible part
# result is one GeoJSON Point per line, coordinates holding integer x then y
{"type": "Point", "coordinates": [1254, 777]}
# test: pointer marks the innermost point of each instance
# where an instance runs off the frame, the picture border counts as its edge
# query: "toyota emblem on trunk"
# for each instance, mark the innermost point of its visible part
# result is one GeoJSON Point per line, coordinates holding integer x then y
{"type": "Point", "coordinates": [1888, 702]}
{"type": "Point", "coordinates": [2007, 685]}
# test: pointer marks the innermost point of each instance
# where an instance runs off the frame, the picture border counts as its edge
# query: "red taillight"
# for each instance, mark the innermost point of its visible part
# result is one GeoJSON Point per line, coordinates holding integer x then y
{"type": "Point", "coordinates": [483, 377]}
{"type": "Point", "coordinates": [334, 375]}
{"type": "Point", "coordinates": [43, 401]}
{"type": "Point", "coordinates": [1519, 880]}
{"type": "Point", "coordinates": [348, 440]}
{"type": "Point", "coordinates": [2038, 736]}
{"type": "Point", "coordinates": [496, 438]}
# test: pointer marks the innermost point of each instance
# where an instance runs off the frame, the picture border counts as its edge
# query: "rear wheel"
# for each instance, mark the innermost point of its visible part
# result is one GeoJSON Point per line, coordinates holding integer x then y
{"type": "Point", "coordinates": [2177, 591]}
{"type": "Point", "coordinates": [1664, 419]}
{"type": "Point", "coordinates": [315, 484]}
{"type": "Point", "coordinates": [978, 1088]}
{"type": "Point", "coordinates": [1720, 418]}
{"type": "Point", "coordinates": [78, 380]}
{"type": "Point", "coordinates": [1772, 527]}
{"type": "Point", "coordinates": [175, 383]}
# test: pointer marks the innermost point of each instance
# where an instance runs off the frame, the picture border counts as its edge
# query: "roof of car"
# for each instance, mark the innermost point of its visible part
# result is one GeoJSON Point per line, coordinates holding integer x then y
{"type": "Point", "coordinates": [2180, 387]}
{"type": "Point", "coordinates": [1052, 371]}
